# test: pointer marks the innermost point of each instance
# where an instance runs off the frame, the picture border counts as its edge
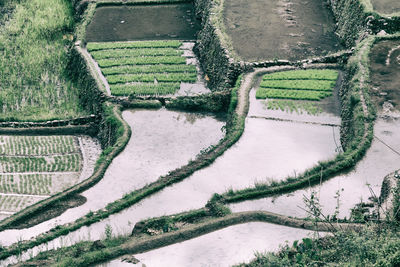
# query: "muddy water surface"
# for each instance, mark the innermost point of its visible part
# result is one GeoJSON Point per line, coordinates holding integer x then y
{"type": "Point", "coordinates": [161, 141]}
{"type": "Point", "coordinates": [268, 149]}
{"type": "Point", "coordinates": [352, 187]}
{"type": "Point", "coordinates": [280, 29]}
{"type": "Point", "coordinates": [386, 6]}
{"type": "Point", "coordinates": [385, 72]}
{"type": "Point", "coordinates": [155, 22]}
{"type": "Point", "coordinates": [225, 247]}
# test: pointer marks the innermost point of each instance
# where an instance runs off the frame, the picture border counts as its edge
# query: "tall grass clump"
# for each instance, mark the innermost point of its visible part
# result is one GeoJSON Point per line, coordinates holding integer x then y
{"type": "Point", "coordinates": [34, 43]}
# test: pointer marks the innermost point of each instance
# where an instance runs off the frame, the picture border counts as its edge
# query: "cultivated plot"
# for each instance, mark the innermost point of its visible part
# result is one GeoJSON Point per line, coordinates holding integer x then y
{"type": "Point", "coordinates": [34, 167]}
{"type": "Point", "coordinates": [145, 67]}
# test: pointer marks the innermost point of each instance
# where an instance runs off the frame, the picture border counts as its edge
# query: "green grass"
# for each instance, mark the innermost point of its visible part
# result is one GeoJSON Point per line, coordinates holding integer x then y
{"type": "Point", "coordinates": [138, 44]}
{"type": "Point", "coordinates": [141, 61]}
{"type": "Point", "coordinates": [149, 69]}
{"type": "Point", "coordinates": [144, 89]}
{"type": "Point", "coordinates": [303, 75]}
{"type": "Point", "coordinates": [33, 58]}
{"type": "Point", "coordinates": [317, 85]}
{"type": "Point", "coordinates": [160, 77]}
{"type": "Point", "coordinates": [121, 53]}
{"type": "Point", "coordinates": [291, 106]}
{"type": "Point", "coordinates": [263, 93]}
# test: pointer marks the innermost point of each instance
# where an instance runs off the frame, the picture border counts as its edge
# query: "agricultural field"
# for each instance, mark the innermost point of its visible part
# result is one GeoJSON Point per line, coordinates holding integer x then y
{"type": "Point", "coordinates": [34, 167]}
{"type": "Point", "coordinates": [298, 90]}
{"type": "Point", "coordinates": [143, 67]}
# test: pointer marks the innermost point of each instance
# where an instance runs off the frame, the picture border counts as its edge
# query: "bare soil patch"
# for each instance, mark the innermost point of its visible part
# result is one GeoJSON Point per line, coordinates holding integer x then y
{"type": "Point", "coordinates": [156, 22]}
{"type": "Point", "coordinates": [386, 6]}
{"type": "Point", "coordinates": [385, 73]}
{"type": "Point", "coordinates": [280, 29]}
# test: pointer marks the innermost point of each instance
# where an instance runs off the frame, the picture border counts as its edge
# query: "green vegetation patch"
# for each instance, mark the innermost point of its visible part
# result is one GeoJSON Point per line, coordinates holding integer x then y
{"type": "Point", "coordinates": [33, 60]}
{"type": "Point", "coordinates": [141, 61]}
{"type": "Point", "coordinates": [149, 69]}
{"type": "Point", "coordinates": [291, 94]}
{"type": "Point", "coordinates": [137, 44]}
{"type": "Point", "coordinates": [143, 68]}
{"type": "Point", "coordinates": [297, 85]}
{"type": "Point", "coordinates": [120, 53]}
{"type": "Point", "coordinates": [154, 77]}
{"type": "Point", "coordinates": [32, 184]}
{"type": "Point", "coordinates": [330, 75]}
{"type": "Point", "coordinates": [316, 85]}
{"type": "Point", "coordinates": [144, 89]}
{"type": "Point", "coordinates": [37, 145]}
{"type": "Point", "coordinates": [15, 203]}
{"type": "Point", "coordinates": [64, 163]}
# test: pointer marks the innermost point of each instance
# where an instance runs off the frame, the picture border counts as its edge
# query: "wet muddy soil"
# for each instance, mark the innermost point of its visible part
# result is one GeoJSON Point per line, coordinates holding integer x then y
{"type": "Point", "coordinates": [385, 74]}
{"type": "Point", "coordinates": [386, 6]}
{"type": "Point", "coordinates": [280, 29]}
{"type": "Point", "coordinates": [125, 23]}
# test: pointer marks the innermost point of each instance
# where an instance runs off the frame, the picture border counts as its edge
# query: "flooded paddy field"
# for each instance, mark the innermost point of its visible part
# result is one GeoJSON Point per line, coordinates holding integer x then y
{"type": "Point", "coordinates": [267, 150]}
{"type": "Point", "coordinates": [353, 187]}
{"type": "Point", "coordinates": [161, 141]}
{"type": "Point", "coordinates": [280, 29]}
{"type": "Point", "coordinates": [155, 22]}
{"type": "Point", "coordinates": [385, 75]}
{"type": "Point", "coordinates": [232, 245]}
{"type": "Point", "coordinates": [386, 6]}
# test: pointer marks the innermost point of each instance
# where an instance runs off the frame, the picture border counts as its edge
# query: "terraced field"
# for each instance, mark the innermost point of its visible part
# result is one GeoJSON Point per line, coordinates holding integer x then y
{"type": "Point", "coordinates": [35, 167]}
{"type": "Point", "coordinates": [143, 67]}
{"type": "Point", "coordinates": [284, 89]}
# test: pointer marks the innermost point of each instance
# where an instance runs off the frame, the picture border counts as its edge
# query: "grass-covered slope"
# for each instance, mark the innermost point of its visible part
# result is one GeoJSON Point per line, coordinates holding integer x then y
{"type": "Point", "coordinates": [143, 67]}
{"type": "Point", "coordinates": [34, 45]}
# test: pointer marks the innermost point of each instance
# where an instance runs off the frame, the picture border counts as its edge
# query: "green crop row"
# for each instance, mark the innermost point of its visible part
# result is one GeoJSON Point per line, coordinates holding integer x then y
{"type": "Point", "coordinates": [121, 53]}
{"type": "Point", "coordinates": [136, 44]}
{"type": "Point", "coordinates": [145, 89]}
{"type": "Point", "coordinates": [36, 145]}
{"type": "Point", "coordinates": [149, 69]}
{"type": "Point", "coordinates": [33, 184]}
{"type": "Point", "coordinates": [15, 203]}
{"type": "Point", "coordinates": [66, 163]}
{"type": "Point", "coordinates": [311, 74]}
{"type": "Point", "coordinates": [317, 85]}
{"type": "Point", "coordinates": [263, 93]}
{"type": "Point", "coordinates": [160, 77]}
{"type": "Point", "coordinates": [141, 61]}
{"type": "Point", "coordinates": [294, 106]}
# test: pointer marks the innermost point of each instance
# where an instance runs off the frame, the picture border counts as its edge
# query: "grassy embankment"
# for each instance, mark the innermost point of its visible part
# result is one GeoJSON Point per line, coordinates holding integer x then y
{"type": "Point", "coordinates": [143, 67]}
{"type": "Point", "coordinates": [34, 44]}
